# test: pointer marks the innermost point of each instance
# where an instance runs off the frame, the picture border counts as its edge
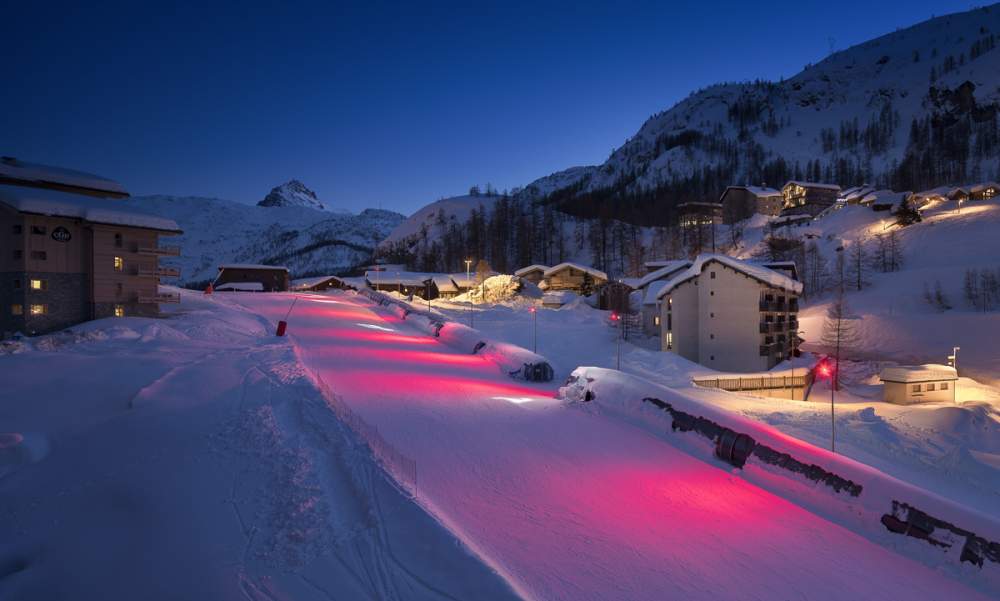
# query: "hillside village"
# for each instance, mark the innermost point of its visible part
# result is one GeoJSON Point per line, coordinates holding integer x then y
{"type": "Point", "coordinates": [771, 288]}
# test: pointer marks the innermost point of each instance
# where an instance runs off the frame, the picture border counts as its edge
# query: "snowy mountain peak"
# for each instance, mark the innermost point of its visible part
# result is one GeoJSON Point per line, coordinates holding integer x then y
{"type": "Point", "coordinates": [292, 193]}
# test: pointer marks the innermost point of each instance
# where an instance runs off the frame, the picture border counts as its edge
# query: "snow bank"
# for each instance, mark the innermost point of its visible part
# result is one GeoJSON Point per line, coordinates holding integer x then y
{"type": "Point", "coordinates": [856, 495]}
{"type": "Point", "coordinates": [512, 360]}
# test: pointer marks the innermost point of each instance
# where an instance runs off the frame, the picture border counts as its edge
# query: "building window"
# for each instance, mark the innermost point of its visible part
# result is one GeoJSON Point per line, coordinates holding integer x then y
{"type": "Point", "coordinates": [18, 229]}
{"type": "Point", "coordinates": [944, 386]}
{"type": "Point", "coordinates": [916, 388]}
{"type": "Point", "coordinates": [39, 230]}
{"type": "Point", "coordinates": [711, 336]}
{"type": "Point", "coordinates": [711, 275]}
{"type": "Point", "coordinates": [118, 241]}
{"type": "Point", "coordinates": [119, 310]}
{"type": "Point", "coordinates": [39, 309]}
{"type": "Point", "coordinates": [119, 289]}
{"type": "Point", "coordinates": [711, 358]}
{"type": "Point", "coordinates": [39, 284]}
{"type": "Point", "coordinates": [119, 264]}
{"type": "Point", "coordinates": [656, 320]}
{"type": "Point", "coordinates": [17, 309]}
{"type": "Point", "coordinates": [39, 255]}
{"type": "Point", "coordinates": [17, 284]}
{"type": "Point", "coordinates": [670, 340]}
{"type": "Point", "coordinates": [930, 387]}
{"type": "Point", "coordinates": [711, 314]}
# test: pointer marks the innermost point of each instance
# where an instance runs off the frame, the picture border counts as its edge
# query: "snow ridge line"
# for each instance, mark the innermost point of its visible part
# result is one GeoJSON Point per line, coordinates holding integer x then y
{"type": "Point", "coordinates": [513, 360]}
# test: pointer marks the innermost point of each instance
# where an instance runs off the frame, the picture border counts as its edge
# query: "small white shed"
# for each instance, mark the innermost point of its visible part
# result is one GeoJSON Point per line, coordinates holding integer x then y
{"type": "Point", "coordinates": [907, 384]}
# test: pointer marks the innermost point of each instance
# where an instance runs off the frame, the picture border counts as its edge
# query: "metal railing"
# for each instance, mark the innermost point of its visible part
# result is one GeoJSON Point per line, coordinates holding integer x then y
{"type": "Point", "coordinates": [160, 251]}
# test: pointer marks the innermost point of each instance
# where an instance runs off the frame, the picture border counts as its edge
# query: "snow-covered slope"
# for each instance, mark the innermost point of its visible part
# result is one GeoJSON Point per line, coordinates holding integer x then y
{"type": "Point", "coordinates": [292, 193]}
{"type": "Point", "coordinates": [306, 240]}
{"type": "Point", "coordinates": [852, 112]}
{"type": "Point", "coordinates": [435, 217]}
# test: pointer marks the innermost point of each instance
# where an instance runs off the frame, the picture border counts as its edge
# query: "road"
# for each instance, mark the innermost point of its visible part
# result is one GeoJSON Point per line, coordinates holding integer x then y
{"type": "Point", "coordinates": [568, 504]}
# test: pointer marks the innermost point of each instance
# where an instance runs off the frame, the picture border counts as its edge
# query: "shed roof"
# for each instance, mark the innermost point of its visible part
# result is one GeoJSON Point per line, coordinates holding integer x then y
{"type": "Point", "coordinates": [526, 270]}
{"type": "Point", "coordinates": [758, 191]}
{"type": "Point", "coordinates": [918, 373]}
{"type": "Point", "coordinates": [398, 278]}
{"type": "Point", "coordinates": [665, 272]}
{"type": "Point", "coordinates": [304, 283]}
{"type": "Point", "coordinates": [652, 294]}
{"type": "Point", "coordinates": [444, 283]}
{"type": "Point", "coordinates": [760, 273]}
{"type": "Point", "coordinates": [35, 173]}
{"type": "Point", "coordinates": [570, 265]}
{"type": "Point", "coordinates": [42, 201]}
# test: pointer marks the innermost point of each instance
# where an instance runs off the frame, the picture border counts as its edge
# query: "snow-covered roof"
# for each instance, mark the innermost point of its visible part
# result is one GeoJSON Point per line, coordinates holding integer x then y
{"type": "Point", "coordinates": [570, 265]}
{"type": "Point", "coordinates": [884, 198]}
{"type": "Point", "coordinates": [918, 373]}
{"type": "Point", "coordinates": [11, 168]}
{"type": "Point", "coordinates": [790, 219]}
{"type": "Point", "coordinates": [444, 283]}
{"type": "Point", "coordinates": [653, 292]}
{"type": "Point", "coordinates": [464, 281]}
{"type": "Point", "coordinates": [526, 270]}
{"type": "Point", "coordinates": [760, 273]}
{"type": "Point", "coordinates": [632, 283]}
{"type": "Point", "coordinates": [665, 272]}
{"type": "Point", "coordinates": [559, 296]}
{"type": "Point", "coordinates": [855, 194]}
{"type": "Point", "coordinates": [42, 201]}
{"type": "Point", "coordinates": [304, 283]}
{"type": "Point", "coordinates": [758, 191]}
{"type": "Point", "coordinates": [939, 192]}
{"type": "Point", "coordinates": [813, 185]}
{"type": "Point", "coordinates": [397, 278]}
{"type": "Point", "coordinates": [241, 286]}
{"type": "Point", "coordinates": [982, 186]}
{"type": "Point", "coordinates": [251, 266]}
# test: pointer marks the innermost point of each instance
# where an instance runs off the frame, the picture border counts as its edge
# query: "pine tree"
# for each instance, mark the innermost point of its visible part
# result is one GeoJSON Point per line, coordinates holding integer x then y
{"type": "Point", "coordinates": [840, 328]}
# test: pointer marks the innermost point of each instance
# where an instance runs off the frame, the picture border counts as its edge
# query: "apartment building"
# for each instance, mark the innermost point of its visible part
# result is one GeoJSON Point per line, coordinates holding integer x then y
{"type": "Point", "coordinates": [72, 250]}
{"type": "Point", "coordinates": [730, 315]}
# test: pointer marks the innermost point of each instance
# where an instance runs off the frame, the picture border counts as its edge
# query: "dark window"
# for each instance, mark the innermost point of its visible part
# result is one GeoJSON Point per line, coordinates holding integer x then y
{"type": "Point", "coordinates": [39, 255]}
{"type": "Point", "coordinates": [118, 240]}
{"type": "Point", "coordinates": [711, 336]}
{"type": "Point", "coordinates": [39, 230]}
{"type": "Point", "coordinates": [712, 357]}
{"type": "Point", "coordinates": [17, 284]}
{"type": "Point", "coordinates": [712, 274]}
{"type": "Point", "coordinates": [711, 314]}
{"type": "Point", "coordinates": [18, 229]}
{"type": "Point", "coordinates": [18, 254]}
{"type": "Point", "coordinates": [670, 321]}
{"type": "Point", "coordinates": [711, 293]}
{"type": "Point", "coordinates": [118, 289]}
{"type": "Point", "coordinates": [768, 339]}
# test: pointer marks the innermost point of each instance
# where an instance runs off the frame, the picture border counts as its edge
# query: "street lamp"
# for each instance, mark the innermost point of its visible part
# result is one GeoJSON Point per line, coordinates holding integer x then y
{"type": "Point", "coordinates": [615, 317]}
{"type": "Point", "coordinates": [534, 336]}
{"type": "Point", "coordinates": [468, 292]}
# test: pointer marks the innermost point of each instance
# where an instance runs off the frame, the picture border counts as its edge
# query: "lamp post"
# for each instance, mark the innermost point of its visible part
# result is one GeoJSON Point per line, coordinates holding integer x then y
{"type": "Point", "coordinates": [468, 290]}
{"type": "Point", "coordinates": [953, 361]}
{"type": "Point", "coordinates": [534, 327]}
{"type": "Point", "coordinates": [616, 318]}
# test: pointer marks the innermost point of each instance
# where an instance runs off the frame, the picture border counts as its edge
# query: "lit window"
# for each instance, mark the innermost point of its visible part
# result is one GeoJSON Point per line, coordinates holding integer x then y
{"type": "Point", "coordinates": [930, 387]}
{"type": "Point", "coordinates": [670, 340]}
{"type": "Point", "coordinates": [39, 309]}
{"type": "Point", "coordinates": [916, 388]}
{"type": "Point", "coordinates": [17, 309]}
{"type": "Point", "coordinates": [119, 264]}
{"type": "Point", "coordinates": [119, 310]}
{"type": "Point", "coordinates": [39, 285]}
{"type": "Point", "coordinates": [656, 320]}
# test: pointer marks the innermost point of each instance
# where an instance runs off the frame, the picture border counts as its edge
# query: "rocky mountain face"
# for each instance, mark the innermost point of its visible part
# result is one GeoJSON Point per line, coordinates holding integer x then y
{"type": "Point", "coordinates": [306, 240]}
{"type": "Point", "coordinates": [292, 193]}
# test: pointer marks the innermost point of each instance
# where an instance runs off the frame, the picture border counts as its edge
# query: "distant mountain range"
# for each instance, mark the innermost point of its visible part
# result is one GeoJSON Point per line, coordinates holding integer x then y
{"type": "Point", "coordinates": [307, 240]}
{"type": "Point", "coordinates": [292, 193]}
{"type": "Point", "coordinates": [911, 110]}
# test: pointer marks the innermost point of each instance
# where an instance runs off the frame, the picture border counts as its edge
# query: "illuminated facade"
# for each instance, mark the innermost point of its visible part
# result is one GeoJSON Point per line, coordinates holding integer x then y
{"type": "Point", "coordinates": [808, 197]}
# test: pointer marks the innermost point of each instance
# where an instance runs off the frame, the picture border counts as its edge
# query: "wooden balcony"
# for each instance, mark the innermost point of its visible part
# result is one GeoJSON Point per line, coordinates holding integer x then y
{"type": "Point", "coordinates": [160, 251]}
{"type": "Point", "coordinates": [159, 272]}
{"type": "Point", "coordinates": [159, 297]}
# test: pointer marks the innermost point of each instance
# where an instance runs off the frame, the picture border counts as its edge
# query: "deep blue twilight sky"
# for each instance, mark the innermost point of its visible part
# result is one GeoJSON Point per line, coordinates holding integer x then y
{"type": "Point", "coordinates": [378, 104]}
